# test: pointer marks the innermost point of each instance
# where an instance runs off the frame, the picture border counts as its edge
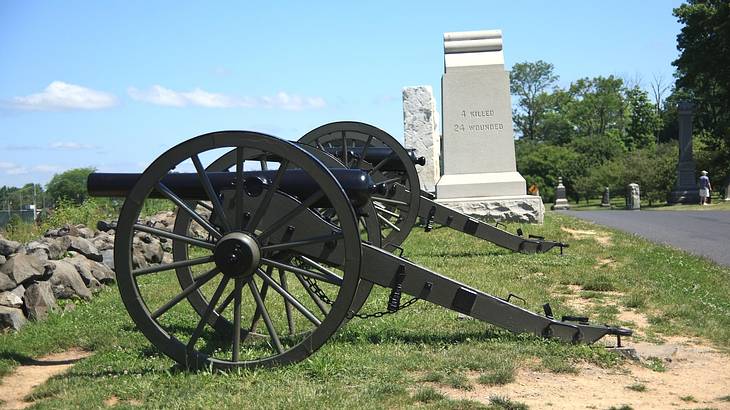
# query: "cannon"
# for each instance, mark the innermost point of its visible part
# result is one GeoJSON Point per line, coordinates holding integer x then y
{"type": "Point", "coordinates": [273, 238]}
{"type": "Point", "coordinates": [360, 145]}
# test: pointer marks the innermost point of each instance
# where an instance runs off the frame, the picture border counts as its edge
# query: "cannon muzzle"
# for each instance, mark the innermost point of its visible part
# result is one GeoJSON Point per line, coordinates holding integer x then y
{"type": "Point", "coordinates": [358, 185]}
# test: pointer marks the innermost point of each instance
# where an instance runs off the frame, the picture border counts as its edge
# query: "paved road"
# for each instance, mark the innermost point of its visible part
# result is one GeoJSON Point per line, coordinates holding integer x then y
{"type": "Point", "coordinates": [705, 233]}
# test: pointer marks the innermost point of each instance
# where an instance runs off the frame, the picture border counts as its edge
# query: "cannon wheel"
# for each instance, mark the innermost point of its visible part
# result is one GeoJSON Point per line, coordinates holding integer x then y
{"type": "Point", "coordinates": [185, 335]}
{"type": "Point", "coordinates": [396, 218]}
{"type": "Point", "coordinates": [369, 226]}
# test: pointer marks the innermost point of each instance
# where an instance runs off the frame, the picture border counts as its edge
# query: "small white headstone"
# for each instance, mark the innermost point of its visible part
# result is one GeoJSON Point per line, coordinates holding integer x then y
{"type": "Point", "coordinates": [421, 131]}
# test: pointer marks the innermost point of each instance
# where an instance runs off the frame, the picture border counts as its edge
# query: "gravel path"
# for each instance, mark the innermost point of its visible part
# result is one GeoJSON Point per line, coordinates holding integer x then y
{"type": "Point", "coordinates": [705, 233]}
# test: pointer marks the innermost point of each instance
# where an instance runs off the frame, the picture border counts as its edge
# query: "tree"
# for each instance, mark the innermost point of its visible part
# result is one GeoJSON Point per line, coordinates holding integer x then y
{"type": "Point", "coordinates": [529, 81]}
{"type": "Point", "coordinates": [703, 66]}
{"type": "Point", "coordinates": [70, 185]}
{"type": "Point", "coordinates": [542, 164]}
{"type": "Point", "coordinates": [644, 123]}
{"type": "Point", "coordinates": [599, 105]}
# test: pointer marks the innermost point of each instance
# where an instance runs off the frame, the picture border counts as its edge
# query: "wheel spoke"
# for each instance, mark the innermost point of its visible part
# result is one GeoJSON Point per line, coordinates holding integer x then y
{"type": "Point", "coordinates": [265, 314]}
{"type": "Point", "coordinates": [364, 152]}
{"type": "Point", "coordinates": [239, 188]}
{"type": "Point", "coordinates": [208, 311]}
{"type": "Point", "coordinates": [181, 204]}
{"type": "Point", "coordinates": [289, 297]}
{"type": "Point", "coordinates": [387, 211]}
{"type": "Point", "coordinates": [174, 236]}
{"type": "Point", "coordinates": [197, 283]}
{"type": "Point", "coordinates": [264, 165]}
{"type": "Point", "coordinates": [237, 292]}
{"type": "Point", "coordinates": [379, 165]}
{"type": "Point", "coordinates": [387, 222]}
{"type": "Point", "coordinates": [173, 265]}
{"type": "Point", "coordinates": [294, 212]}
{"type": "Point", "coordinates": [264, 292]}
{"type": "Point", "coordinates": [389, 201]}
{"type": "Point", "coordinates": [319, 267]}
{"type": "Point", "coordinates": [270, 190]}
{"type": "Point", "coordinates": [302, 242]}
{"type": "Point", "coordinates": [287, 304]}
{"type": "Point", "coordinates": [391, 180]}
{"type": "Point", "coordinates": [333, 279]}
{"type": "Point", "coordinates": [208, 187]}
{"type": "Point", "coordinates": [317, 301]}
{"type": "Point", "coordinates": [344, 148]}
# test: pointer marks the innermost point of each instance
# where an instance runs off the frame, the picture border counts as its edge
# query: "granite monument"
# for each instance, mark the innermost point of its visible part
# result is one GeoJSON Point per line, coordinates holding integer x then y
{"type": "Point", "coordinates": [685, 190]}
{"type": "Point", "coordinates": [480, 174]}
{"type": "Point", "coordinates": [421, 132]}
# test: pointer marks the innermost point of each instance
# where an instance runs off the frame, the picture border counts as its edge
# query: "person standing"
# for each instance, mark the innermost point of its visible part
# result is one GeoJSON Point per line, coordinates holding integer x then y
{"type": "Point", "coordinates": [705, 188]}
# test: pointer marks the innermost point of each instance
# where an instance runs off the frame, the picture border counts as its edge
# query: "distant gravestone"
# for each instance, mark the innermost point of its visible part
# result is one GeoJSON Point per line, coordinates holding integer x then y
{"type": "Point", "coordinates": [421, 132]}
{"type": "Point", "coordinates": [606, 200]}
{"type": "Point", "coordinates": [633, 197]}
{"type": "Point", "coordinates": [685, 190]}
{"type": "Point", "coordinates": [727, 189]}
{"type": "Point", "coordinates": [561, 200]}
{"type": "Point", "coordinates": [480, 173]}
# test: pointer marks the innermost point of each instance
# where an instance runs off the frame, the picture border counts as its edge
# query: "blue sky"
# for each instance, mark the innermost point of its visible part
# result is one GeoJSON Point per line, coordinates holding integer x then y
{"type": "Point", "coordinates": [112, 84]}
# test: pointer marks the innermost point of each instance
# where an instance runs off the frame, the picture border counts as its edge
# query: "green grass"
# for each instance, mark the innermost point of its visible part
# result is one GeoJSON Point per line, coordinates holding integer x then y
{"type": "Point", "coordinates": [637, 387]}
{"type": "Point", "coordinates": [382, 363]}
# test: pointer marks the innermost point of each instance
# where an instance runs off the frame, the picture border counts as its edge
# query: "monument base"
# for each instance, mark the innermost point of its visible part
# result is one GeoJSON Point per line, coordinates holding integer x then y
{"type": "Point", "coordinates": [684, 196]}
{"type": "Point", "coordinates": [560, 204]}
{"type": "Point", "coordinates": [517, 208]}
{"type": "Point", "coordinates": [489, 184]}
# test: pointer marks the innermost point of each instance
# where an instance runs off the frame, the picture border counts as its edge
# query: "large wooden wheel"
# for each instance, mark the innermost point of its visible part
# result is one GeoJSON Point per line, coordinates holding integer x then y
{"type": "Point", "coordinates": [258, 160]}
{"type": "Point", "coordinates": [238, 242]}
{"type": "Point", "coordinates": [395, 216]}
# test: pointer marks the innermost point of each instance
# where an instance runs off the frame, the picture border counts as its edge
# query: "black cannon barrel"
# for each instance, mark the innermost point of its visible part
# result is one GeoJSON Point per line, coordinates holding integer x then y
{"type": "Point", "coordinates": [375, 155]}
{"type": "Point", "coordinates": [358, 185]}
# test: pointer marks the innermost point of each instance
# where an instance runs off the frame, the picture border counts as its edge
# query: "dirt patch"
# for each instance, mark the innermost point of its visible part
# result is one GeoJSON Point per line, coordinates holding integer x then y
{"type": "Point", "coordinates": [20, 383]}
{"type": "Point", "coordinates": [602, 238]}
{"type": "Point", "coordinates": [694, 372]}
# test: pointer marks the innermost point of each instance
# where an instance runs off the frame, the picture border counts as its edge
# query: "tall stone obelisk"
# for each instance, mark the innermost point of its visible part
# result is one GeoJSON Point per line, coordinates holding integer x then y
{"type": "Point", "coordinates": [480, 174]}
{"type": "Point", "coordinates": [685, 190]}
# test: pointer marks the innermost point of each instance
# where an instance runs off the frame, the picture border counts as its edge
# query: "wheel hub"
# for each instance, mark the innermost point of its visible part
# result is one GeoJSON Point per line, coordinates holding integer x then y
{"type": "Point", "coordinates": [237, 254]}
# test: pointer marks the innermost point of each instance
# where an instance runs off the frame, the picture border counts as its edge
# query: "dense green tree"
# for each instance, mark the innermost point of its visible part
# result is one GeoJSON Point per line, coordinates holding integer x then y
{"type": "Point", "coordinates": [654, 169]}
{"type": "Point", "coordinates": [644, 122]}
{"type": "Point", "coordinates": [529, 83]}
{"type": "Point", "coordinates": [703, 76]}
{"type": "Point", "coordinates": [70, 185]}
{"type": "Point", "coordinates": [598, 105]}
{"type": "Point", "coordinates": [703, 66]}
{"type": "Point", "coordinates": [542, 164]}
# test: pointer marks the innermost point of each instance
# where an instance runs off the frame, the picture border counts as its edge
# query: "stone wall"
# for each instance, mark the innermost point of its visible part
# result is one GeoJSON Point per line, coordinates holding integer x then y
{"type": "Point", "coordinates": [72, 262]}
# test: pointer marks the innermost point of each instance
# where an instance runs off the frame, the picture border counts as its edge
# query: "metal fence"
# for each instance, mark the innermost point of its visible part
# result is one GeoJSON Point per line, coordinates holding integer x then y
{"type": "Point", "coordinates": [25, 215]}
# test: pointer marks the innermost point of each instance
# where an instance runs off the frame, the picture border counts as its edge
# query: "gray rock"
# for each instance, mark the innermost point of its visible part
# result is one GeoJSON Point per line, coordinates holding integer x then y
{"type": "Point", "coordinates": [21, 268]}
{"type": "Point", "coordinates": [66, 281]}
{"type": "Point", "coordinates": [85, 248]}
{"type": "Point", "coordinates": [103, 241]}
{"type": "Point", "coordinates": [19, 291]}
{"type": "Point", "coordinates": [421, 132]}
{"type": "Point", "coordinates": [10, 299]}
{"type": "Point", "coordinates": [6, 283]}
{"type": "Point", "coordinates": [84, 232]}
{"type": "Point", "coordinates": [152, 252]}
{"type": "Point", "coordinates": [102, 273]}
{"type": "Point", "coordinates": [138, 260]}
{"type": "Point", "coordinates": [2, 259]}
{"type": "Point", "coordinates": [82, 267]}
{"type": "Point", "coordinates": [8, 247]}
{"type": "Point", "coordinates": [38, 249]}
{"type": "Point", "coordinates": [62, 231]}
{"type": "Point", "coordinates": [11, 318]}
{"type": "Point", "coordinates": [108, 258]}
{"type": "Point", "coordinates": [57, 247]}
{"type": "Point", "coordinates": [39, 300]}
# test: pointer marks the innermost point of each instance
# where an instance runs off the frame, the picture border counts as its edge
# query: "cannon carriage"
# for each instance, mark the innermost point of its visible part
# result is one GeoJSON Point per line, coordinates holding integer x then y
{"type": "Point", "coordinates": [287, 252]}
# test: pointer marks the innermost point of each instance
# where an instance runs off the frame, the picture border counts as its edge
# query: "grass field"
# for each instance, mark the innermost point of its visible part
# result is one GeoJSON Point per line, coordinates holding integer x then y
{"type": "Point", "coordinates": [391, 361]}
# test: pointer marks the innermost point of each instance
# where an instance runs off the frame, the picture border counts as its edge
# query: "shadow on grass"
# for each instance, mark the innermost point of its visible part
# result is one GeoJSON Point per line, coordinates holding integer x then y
{"type": "Point", "coordinates": [29, 361]}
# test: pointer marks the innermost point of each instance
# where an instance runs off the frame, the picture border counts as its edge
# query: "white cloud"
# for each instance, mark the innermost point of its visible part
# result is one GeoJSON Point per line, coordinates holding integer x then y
{"type": "Point", "coordinates": [16, 171]}
{"type": "Point", "coordinates": [64, 96]}
{"type": "Point", "coordinates": [160, 95]}
{"type": "Point", "coordinates": [71, 145]}
{"type": "Point", "coordinates": [6, 165]}
{"type": "Point", "coordinates": [46, 168]}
